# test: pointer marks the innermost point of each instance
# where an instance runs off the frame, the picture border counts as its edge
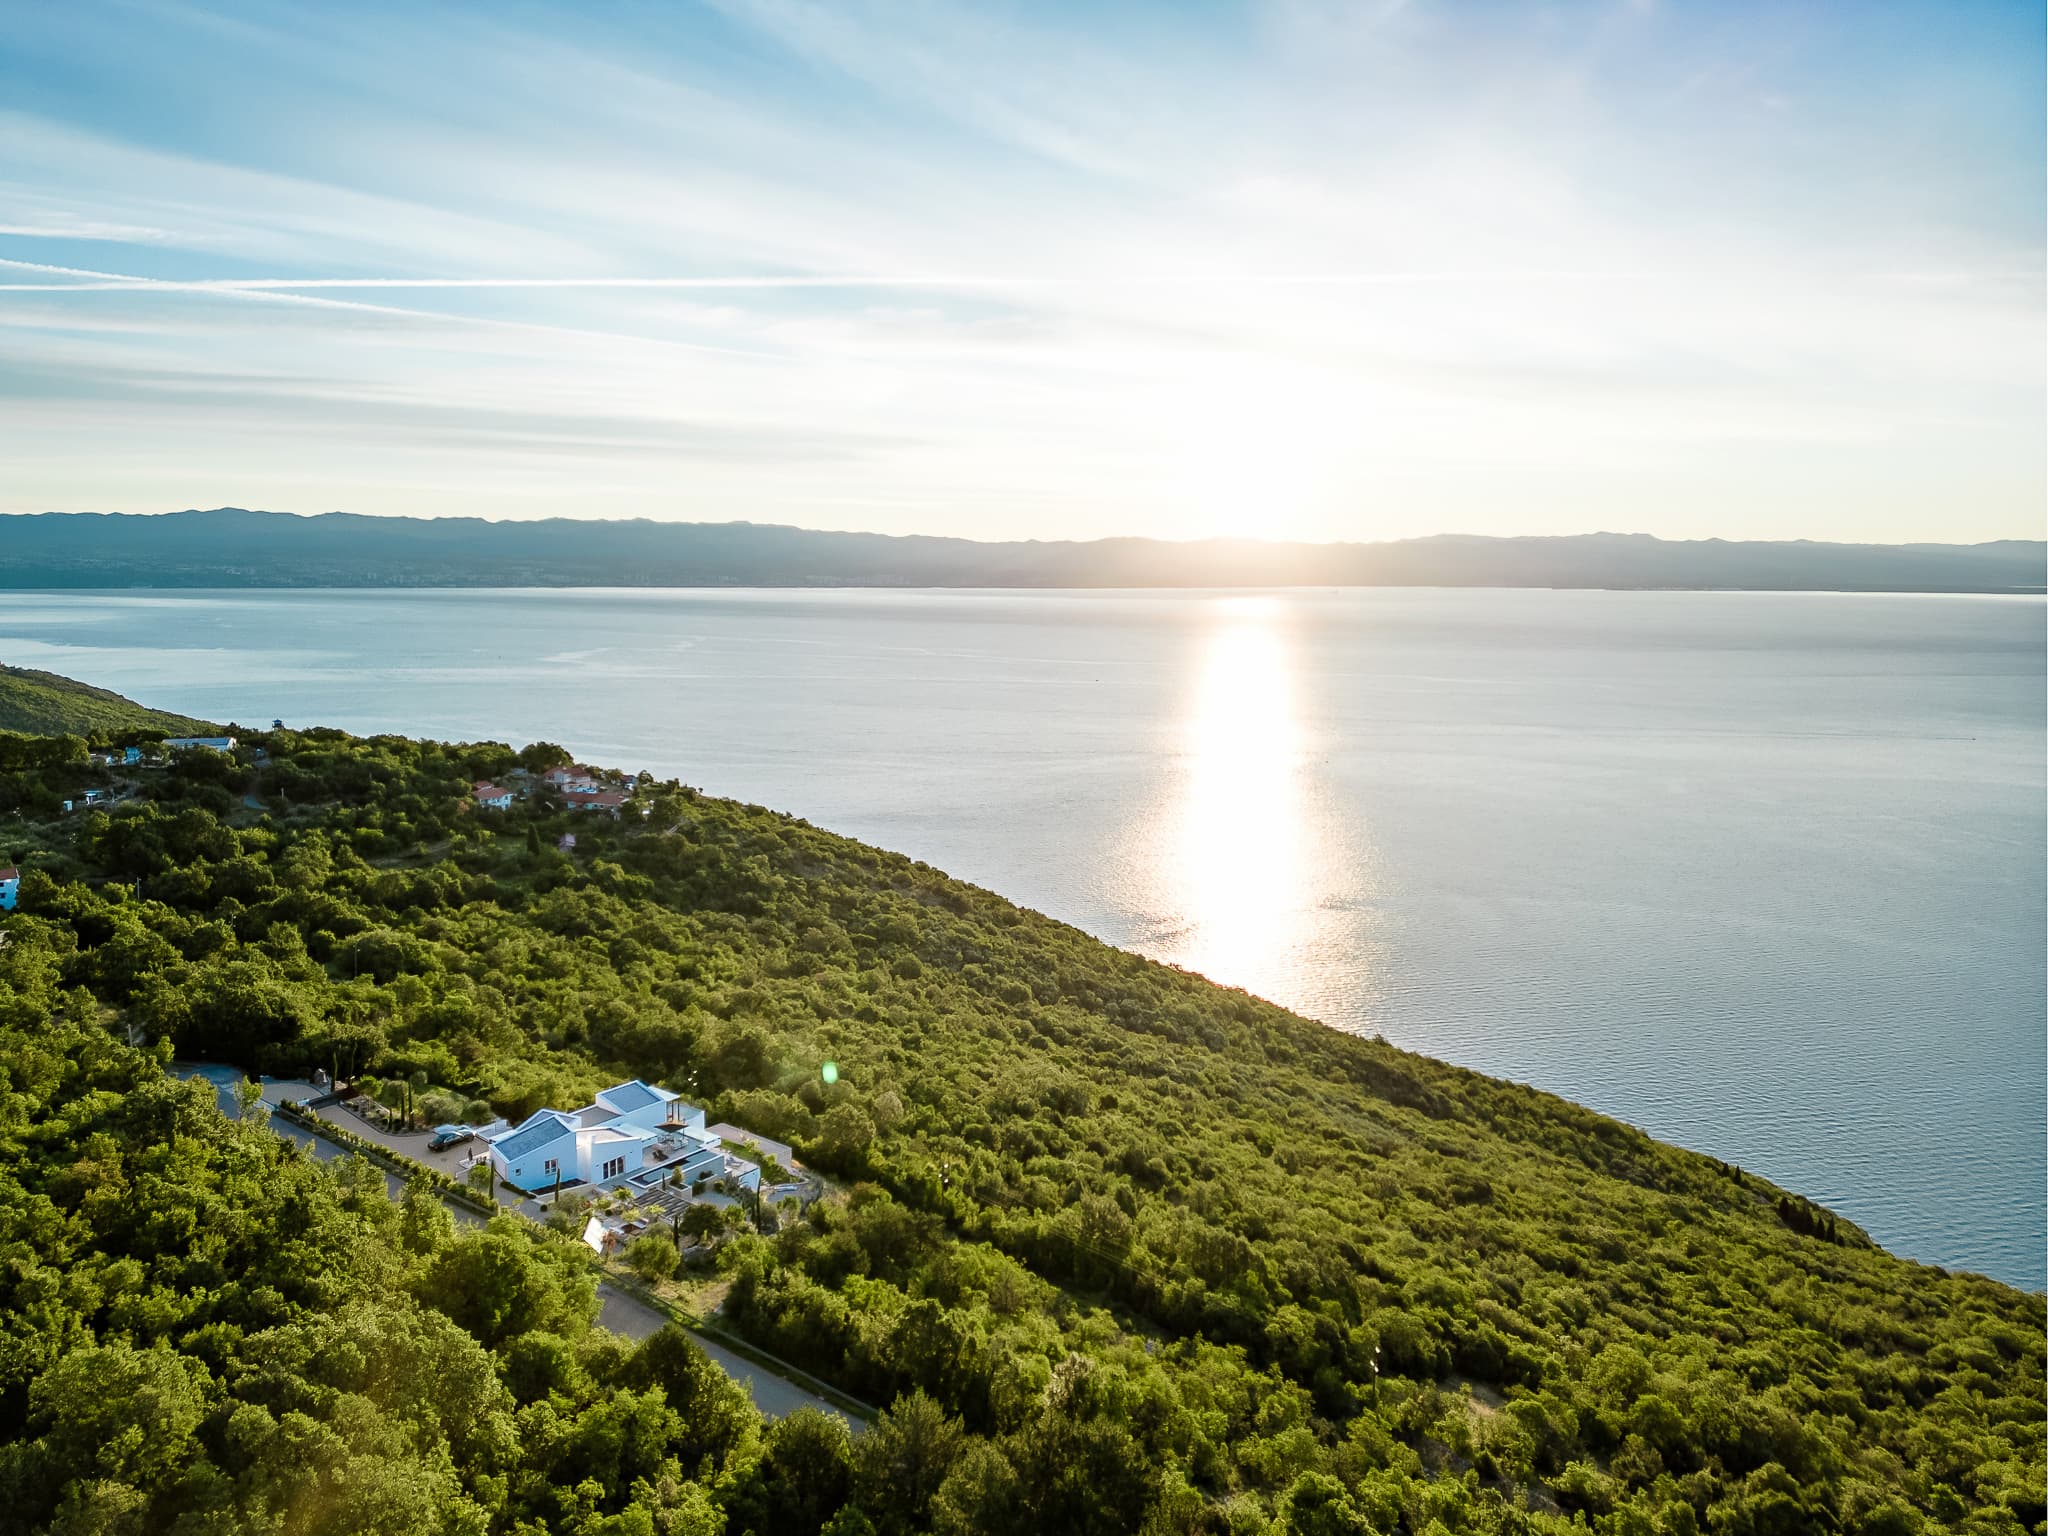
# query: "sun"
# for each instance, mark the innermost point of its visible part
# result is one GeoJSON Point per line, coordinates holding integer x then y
{"type": "Point", "coordinates": [1254, 453]}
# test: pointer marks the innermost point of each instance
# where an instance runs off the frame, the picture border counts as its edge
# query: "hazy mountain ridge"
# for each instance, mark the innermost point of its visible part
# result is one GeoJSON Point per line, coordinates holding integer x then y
{"type": "Point", "coordinates": [233, 547]}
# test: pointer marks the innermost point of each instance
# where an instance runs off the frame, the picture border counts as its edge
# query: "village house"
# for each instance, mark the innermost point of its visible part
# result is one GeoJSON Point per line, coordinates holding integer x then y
{"type": "Point", "coordinates": [609, 801]}
{"type": "Point", "coordinates": [633, 1134]}
{"type": "Point", "coordinates": [10, 884]}
{"type": "Point", "coordinates": [574, 779]}
{"type": "Point", "coordinates": [490, 796]}
{"type": "Point", "coordinates": [212, 743]}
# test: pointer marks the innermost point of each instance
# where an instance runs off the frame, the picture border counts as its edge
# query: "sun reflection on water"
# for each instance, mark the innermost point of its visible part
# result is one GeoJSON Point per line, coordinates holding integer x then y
{"type": "Point", "coordinates": [1239, 840]}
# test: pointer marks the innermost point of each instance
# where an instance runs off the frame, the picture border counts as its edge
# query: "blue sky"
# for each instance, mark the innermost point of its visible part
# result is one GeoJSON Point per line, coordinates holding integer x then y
{"type": "Point", "coordinates": [1298, 269]}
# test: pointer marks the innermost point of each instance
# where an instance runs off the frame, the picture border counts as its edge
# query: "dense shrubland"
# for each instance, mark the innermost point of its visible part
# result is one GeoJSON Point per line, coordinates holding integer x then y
{"type": "Point", "coordinates": [1133, 1251]}
{"type": "Point", "coordinates": [45, 704]}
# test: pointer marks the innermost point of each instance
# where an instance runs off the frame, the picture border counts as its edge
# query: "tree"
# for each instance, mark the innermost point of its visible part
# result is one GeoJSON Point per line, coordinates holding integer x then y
{"type": "Point", "coordinates": [802, 1478]}
{"type": "Point", "coordinates": [844, 1134]}
{"type": "Point", "coordinates": [116, 1412]}
{"type": "Point", "coordinates": [490, 1283]}
{"type": "Point", "coordinates": [424, 1225]}
{"type": "Point", "coordinates": [249, 1102]}
{"type": "Point", "coordinates": [539, 756]}
{"type": "Point", "coordinates": [650, 1258]}
{"type": "Point", "coordinates": [980, 1496]}
{"type": "Point", "coordinates": [718, 1419]}
{"type": "Point", "coordinates": [900, 1463]}
{"type": "Point", "coordinates": [702, 1221]}
{"type": "Point", "coordinates": [1316, 1504]}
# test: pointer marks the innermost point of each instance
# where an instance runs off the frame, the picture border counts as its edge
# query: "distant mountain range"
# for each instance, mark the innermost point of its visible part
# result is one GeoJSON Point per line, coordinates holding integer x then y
{"type": "Point", "coordinates": [230, 547]}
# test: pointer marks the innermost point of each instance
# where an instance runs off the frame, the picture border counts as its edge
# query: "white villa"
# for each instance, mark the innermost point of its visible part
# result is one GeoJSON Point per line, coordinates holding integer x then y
{"type": "Point", "coordinates": [633, 1134]}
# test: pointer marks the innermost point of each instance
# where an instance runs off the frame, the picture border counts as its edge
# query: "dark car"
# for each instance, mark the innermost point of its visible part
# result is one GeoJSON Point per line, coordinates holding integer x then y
{"type": "Point", "coordinates": [446, 1136]}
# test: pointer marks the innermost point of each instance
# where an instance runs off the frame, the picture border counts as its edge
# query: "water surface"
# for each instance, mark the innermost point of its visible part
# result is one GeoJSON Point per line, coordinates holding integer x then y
{"type": "Point", "coordinates": [1760, 873]}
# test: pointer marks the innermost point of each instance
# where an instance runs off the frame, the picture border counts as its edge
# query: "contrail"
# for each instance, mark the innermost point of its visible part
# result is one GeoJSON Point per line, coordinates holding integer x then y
{"type": "Point", "coordinates": [119, 282]}
{"type": "Point", "coordinates": [88, 280]}
{"type": "Point", "coordinates": [94, 281]}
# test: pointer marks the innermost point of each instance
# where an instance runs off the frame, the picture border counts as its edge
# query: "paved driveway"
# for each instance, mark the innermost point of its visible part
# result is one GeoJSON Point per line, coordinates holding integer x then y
{"type": "Point", "coordinates": [453, 1161]}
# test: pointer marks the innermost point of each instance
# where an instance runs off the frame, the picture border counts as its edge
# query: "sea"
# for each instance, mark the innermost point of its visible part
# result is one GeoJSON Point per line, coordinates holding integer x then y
{"type": "Point", "coordinates": [1762, 874]}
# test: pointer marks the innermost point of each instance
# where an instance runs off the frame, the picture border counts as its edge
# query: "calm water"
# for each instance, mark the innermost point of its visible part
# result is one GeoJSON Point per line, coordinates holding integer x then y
{"type": "Point", "coordinates": [1762, 874]}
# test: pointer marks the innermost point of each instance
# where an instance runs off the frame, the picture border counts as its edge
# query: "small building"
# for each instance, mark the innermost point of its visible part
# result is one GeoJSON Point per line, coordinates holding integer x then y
{"type": "Point", "coordinates": [574, 779]}
{"type": "Point", "coordinates": [490, 796]}
{"type": "Point", "coordinates": [605, 801]}
{"type": "Point", "coordinates": [10, 885]}
{"type": "Point", "coordinates": [211, 743]}
{"type": "Point", "coordinates": [566, 843]}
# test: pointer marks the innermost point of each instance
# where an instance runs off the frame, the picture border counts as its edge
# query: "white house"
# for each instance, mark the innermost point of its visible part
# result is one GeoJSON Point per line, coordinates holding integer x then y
{"type": "Point", "coordinates": [214, 743]}
{"type": "Point", "coordinates": [575, 779]}
{"type": "Point", "coordinates": [490, 796]}
{"type": "Point", "coordinates": [632, 1133]}
{"type": "Point", "coordinates": [10, 883]}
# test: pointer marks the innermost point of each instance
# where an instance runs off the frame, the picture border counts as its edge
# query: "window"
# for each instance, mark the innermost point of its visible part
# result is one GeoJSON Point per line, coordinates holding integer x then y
{"type": "Point", "coordinates": [550, 1166]}
{"type": "Point", "coordinates": [614, 1168]}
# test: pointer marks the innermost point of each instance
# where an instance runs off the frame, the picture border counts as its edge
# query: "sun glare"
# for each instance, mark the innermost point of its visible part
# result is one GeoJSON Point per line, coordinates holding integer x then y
{"type": "Point", "coordinates": [1253, 456]}
{"type": "Point", "coordinates": [1238, 850]}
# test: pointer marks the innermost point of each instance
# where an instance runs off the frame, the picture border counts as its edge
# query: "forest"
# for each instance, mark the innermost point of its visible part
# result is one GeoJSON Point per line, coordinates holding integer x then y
{"type": "Point", "coordinates": [1117, 1249]}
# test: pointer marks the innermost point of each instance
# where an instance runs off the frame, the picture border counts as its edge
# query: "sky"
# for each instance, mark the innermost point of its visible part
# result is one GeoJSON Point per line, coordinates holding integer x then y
{"type": "Point", "coordinates": [1291, 270]}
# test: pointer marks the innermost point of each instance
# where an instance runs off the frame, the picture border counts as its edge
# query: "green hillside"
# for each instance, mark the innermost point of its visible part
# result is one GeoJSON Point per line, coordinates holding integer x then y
{"type": "Point", "coordinates": [44, 704]}
{"type": "Point", "coordinates": [1124, 1250]}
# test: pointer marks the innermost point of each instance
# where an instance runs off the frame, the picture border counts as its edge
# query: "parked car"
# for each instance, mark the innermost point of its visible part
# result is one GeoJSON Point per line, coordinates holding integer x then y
{"type": "Point", "coordinates": [446, 1136]}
